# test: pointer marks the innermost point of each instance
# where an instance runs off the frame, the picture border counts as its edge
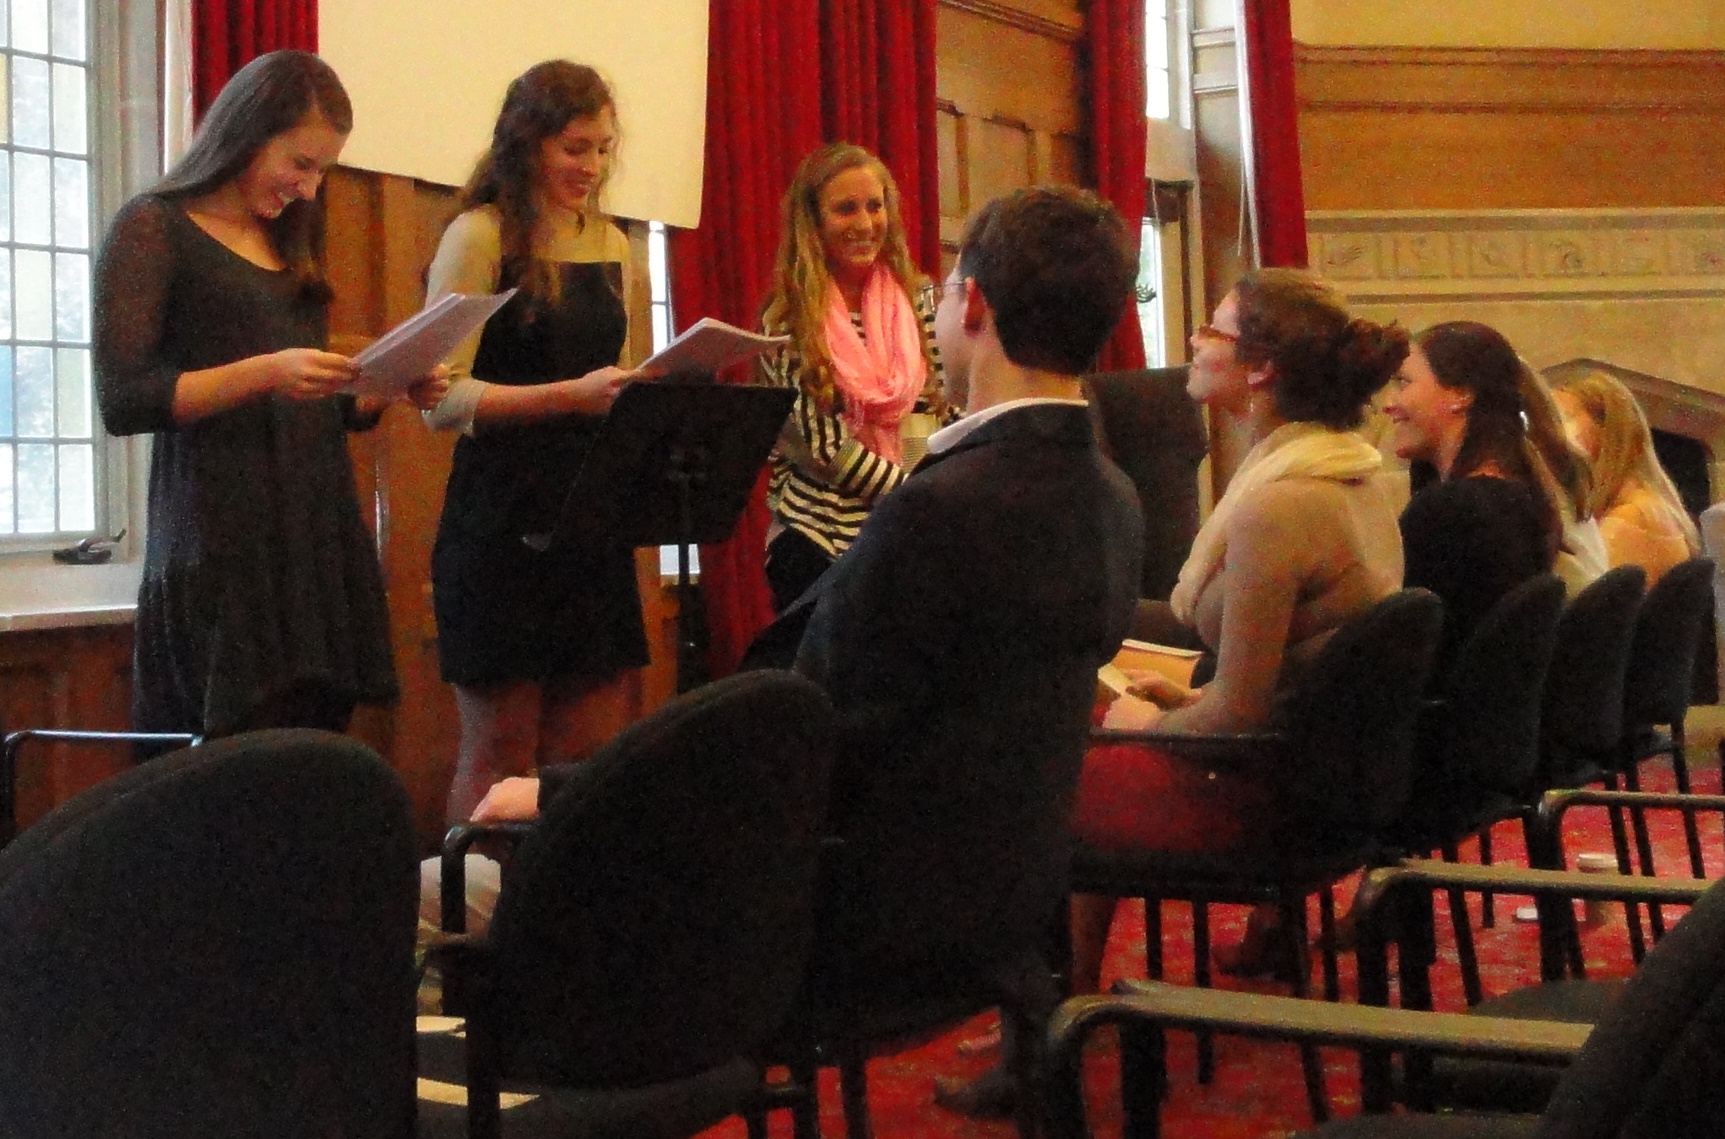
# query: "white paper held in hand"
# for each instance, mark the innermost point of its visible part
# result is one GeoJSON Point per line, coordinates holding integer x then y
{"type": "Point", "coordinates": [708, 345]}
{"type": "Point", "coordinates": [402, 356]}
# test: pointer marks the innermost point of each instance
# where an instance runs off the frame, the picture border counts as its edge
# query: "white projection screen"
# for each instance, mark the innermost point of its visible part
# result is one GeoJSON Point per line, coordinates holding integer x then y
{"type": "Point", "coordinates": [427, 78]}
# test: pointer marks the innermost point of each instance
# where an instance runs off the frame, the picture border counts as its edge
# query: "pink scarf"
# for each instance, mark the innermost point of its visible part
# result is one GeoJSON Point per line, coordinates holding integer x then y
{"type": "Point", "coordinates": [882, 371]}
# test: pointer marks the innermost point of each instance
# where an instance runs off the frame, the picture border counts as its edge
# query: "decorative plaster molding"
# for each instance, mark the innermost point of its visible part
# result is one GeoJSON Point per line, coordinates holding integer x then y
{"type": "Point", "coordinates": [1413, 255]}
{"type": "Point", "coordinates": [1067, 27]}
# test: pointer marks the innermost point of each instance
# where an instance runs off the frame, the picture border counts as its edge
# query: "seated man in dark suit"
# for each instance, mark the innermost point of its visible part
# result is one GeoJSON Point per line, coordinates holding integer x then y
{"type": "Point", "coordinates": [960, 635]}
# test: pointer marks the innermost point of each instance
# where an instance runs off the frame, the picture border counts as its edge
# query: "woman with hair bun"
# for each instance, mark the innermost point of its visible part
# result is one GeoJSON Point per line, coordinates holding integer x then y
{"type": "Point", "coordinates": [1640, 516]}
{"type": "Point", "coordinates": [1510, 496]}
{"type": "Point", "coordinates": [528, 630]}
{"type": "Point", "coordinates": [861, 358]}
{"type": "Point", "coordinates": [1303, 541]}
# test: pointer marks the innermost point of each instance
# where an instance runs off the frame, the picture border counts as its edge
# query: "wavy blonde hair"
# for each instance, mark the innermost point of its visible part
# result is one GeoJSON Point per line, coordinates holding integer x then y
{"type": "Point", "coordinates": [797, 303]}
{"type": "Point", "coordinates": [1626, 452]}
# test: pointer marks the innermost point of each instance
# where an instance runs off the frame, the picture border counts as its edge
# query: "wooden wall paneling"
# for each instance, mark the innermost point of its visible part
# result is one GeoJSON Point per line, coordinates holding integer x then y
{"type": "Point", "coordinates": [1009, 108]}
{"type": "Point", "coordinates": [76, 677]}
{"type": "Point", "coordinates": [1419, 128]}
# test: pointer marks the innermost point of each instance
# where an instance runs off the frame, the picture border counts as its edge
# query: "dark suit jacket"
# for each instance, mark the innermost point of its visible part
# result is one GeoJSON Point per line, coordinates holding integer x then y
{"type": "Point", "coordinates": [959, 639]}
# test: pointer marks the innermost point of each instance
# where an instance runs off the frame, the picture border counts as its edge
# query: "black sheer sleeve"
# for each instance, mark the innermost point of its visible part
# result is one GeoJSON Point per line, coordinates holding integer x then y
{"type": "Point", "coordinates": [134, 274]}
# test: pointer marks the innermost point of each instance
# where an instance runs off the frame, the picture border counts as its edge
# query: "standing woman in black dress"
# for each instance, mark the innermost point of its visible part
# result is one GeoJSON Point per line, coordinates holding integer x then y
{"type": "Point", "coordinates": [526, 627]}
{"type": "Point", "coordinates": [261, 603]}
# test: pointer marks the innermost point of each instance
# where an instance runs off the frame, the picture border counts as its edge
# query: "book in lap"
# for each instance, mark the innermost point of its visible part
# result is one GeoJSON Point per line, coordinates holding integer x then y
{"type": "Point", "coordinates": [1174, 663]}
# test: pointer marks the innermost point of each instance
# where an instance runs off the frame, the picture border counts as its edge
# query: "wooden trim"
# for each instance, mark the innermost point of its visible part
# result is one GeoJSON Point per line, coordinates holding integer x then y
{"type": "Point", "coordinates": [1526, 81]}
{"type": "Point", "coordinates": [1507, 56]}
{"type": "Point", "coordinates": [1050, 21]}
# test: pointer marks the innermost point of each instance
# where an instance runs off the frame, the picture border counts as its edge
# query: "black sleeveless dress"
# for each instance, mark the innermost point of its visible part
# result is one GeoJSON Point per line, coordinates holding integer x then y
{"type": "Point", "coordinates": [511, 604]}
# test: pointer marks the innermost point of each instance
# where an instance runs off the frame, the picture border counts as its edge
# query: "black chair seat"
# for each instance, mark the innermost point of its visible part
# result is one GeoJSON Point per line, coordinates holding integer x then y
{"type": "Point", "coordinates": [671, 1109]}
{"type": "Point", "coordinates": [1491, 1085]}
{"type": "Point", "coordinates": [1231, 876]}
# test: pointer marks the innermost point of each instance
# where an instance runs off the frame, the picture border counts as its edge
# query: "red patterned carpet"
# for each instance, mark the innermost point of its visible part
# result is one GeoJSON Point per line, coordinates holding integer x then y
{"type": "Point", "coordinates": [1257, 1090]}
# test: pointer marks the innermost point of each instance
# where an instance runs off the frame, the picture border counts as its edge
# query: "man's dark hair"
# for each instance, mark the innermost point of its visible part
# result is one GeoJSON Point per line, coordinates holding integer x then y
{"type": "Point", "coordinates": [1055, 265]}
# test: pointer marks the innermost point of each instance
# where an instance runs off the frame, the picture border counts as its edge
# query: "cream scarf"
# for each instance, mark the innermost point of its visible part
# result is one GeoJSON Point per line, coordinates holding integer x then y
{"type": "Point", "coordinates": [1293, 450]}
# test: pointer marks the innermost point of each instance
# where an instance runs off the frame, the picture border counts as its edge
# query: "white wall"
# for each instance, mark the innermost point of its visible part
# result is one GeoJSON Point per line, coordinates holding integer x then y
{"type": "Point", "coordinates": [427, 78]}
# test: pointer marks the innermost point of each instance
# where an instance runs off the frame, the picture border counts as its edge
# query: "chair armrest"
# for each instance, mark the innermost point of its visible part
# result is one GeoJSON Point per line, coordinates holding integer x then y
{"type": "Point", "coordinates": [1423, 874]}
{"type": "Point", "coordinates": [1242, 748]}
{"type": "Point", "coordinates": [452, 871]}
{"type": "Point", "coordinates": [15, 741]}
{"type": "Point", "coordinates": [1554, 804]}
{"type": "Point", "coordinates": [1319, 1022]}
{"type": "Point", "coordinates": [1154, 1006]}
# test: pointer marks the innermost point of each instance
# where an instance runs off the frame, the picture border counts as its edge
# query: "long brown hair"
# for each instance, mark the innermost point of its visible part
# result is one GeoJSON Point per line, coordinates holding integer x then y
{"type": "Point", "coordinates": [271, 95]}
{"type": "Point", "coordinates": [540, 103]}
{"type": "Point", "coordinates": [1512, 423]}
{"type": "Point", "coordinates": [797, 303]}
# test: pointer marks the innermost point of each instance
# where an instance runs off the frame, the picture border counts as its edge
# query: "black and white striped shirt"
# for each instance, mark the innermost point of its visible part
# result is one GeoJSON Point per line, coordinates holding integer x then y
{"type": "Point", "coordinates": [823, 481]}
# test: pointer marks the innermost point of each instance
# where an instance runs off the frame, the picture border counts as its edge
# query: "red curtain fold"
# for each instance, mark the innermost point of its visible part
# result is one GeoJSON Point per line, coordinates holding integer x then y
{"type": "Point", "coordinates": [228, 34]}
{"type": "Point", "coordinates": [1278, 196]}
{"type": "Point", "coordinates": [781, 80]}
{"type": "Point", "coordinates": [1114, 49]}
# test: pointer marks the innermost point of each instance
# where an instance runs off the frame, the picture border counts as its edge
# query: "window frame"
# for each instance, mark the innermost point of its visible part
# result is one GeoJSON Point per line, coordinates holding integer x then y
{"type": "Point", "coordinates": [128, 40]}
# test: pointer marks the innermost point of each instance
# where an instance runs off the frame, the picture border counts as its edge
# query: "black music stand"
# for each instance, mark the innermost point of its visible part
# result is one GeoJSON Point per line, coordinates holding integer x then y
{"type": "Point", "coordinates": [673, 464]}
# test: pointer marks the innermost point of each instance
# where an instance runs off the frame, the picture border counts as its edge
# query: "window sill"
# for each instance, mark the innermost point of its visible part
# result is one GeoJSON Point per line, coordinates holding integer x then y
{"type": "Point", "coordinates": [37, 593]}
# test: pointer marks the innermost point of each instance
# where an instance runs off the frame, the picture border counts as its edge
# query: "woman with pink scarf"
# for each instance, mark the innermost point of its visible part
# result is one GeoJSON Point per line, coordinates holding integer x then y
{"type": "Point", "coordinates": [861, 358]}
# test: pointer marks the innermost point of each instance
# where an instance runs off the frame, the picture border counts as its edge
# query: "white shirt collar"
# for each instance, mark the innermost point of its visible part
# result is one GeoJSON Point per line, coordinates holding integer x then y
{"type": "Point", "coordinates": [952, 434]}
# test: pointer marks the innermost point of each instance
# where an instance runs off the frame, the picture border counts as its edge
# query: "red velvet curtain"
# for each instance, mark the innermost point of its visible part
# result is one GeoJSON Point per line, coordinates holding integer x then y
{"type": "Point", "coordinates": [781, 80]}
{"type": "Point", "coordinates": [1114, 48]}
{"type": "Point", "coordinates": [1279, 198]}
{"type": "Point", "coordinates": [228, 34]}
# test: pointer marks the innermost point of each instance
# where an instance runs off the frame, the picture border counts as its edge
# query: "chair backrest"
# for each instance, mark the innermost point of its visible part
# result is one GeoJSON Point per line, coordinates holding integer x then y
{"type": "Point", "coordinates": [1351, 715]}
{"type": "Point", "coordinates": [1154, 432]}
{"type": "Point", "coordinates": [1493, 694]}
{"type": "Point", "coordinates": [1668, 632]}
{"type": "Point", "coordinates": [1654, 1067]}
{"type": "Point", "coordinates": [217, 943]}
{"type": "Point", "coordinates": [656, 922]}
{"type": "Point", "coordinates": [1583, 708]}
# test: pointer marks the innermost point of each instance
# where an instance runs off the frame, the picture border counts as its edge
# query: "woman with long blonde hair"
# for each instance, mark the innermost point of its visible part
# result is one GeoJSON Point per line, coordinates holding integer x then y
{"type": "Point", "coordinates": [1640, 515]}
{"type": "Point", "coordinates": [861, 357]}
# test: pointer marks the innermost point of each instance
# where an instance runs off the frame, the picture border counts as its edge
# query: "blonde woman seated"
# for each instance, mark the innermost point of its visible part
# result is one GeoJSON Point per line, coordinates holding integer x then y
{"type": "Point", "coordinates": [1640, 516]}
{"type": "Point", "coordinates": [1303, 541]}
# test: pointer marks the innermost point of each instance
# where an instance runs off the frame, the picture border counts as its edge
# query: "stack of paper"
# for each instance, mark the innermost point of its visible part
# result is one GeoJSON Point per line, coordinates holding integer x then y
{"type": "Point", "coordinates": [708, 345]}
{"type": "Point", "coordinates": [402, 356]}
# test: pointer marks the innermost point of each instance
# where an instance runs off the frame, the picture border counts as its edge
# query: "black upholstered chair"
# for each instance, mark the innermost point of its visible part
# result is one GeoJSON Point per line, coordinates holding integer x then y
{"type": "Point", "coordinates": [653, 924]}
{"type": "Point", "coordinates": [1581, 721]}
{"type": "Point", "coordinates": [1340, 755]}
{"type": "Point", "coordinates": [1154, 433]}
{"type": "Point", "coordinates": [1654, 1065]}
{"type": "Point", "coordinates": [1656, 689]}
{"type": "Point", "coordinates": [1477, 748]}
{"type": "Point", "coordinates": [218, 943]}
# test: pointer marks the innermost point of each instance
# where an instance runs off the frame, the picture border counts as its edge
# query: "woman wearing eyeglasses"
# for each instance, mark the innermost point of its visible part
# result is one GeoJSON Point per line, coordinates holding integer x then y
{"type": "Point", "coordinates": [1303, 541]}
{"type": "Point", "coordinates": [861, 358]}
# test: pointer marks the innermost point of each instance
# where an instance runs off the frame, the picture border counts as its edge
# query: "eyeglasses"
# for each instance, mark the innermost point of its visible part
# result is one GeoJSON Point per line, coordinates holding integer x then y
{"type": "Point", "coordinates": [1211, 332]}
{"type": "Point", "coordinates": [928, 295]}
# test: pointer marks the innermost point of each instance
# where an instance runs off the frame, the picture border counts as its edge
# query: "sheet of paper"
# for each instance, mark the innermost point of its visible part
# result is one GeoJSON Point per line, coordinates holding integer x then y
{"type": "Point", "coordinates": [400, 357]}
{"type": "Point", "coordinates": [708, 345]}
